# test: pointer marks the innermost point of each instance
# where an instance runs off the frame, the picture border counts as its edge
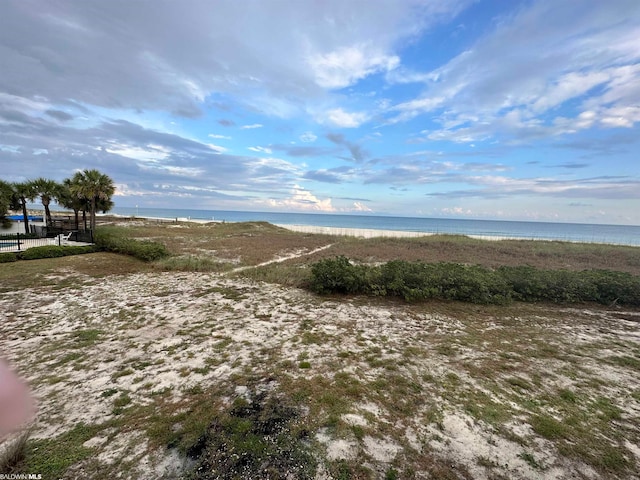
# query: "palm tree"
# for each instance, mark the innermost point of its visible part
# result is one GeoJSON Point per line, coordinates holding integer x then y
{"type": "Point", "coordinates": [67, 199]}
{"type": "Point", "coordinates": [47, 190]}
{"type": "Point", "coordinates": [24, 192]}
{"type": "Point", "coordinates": [6, 192]}
{"type": "Point", "coordinates": [95, 187]}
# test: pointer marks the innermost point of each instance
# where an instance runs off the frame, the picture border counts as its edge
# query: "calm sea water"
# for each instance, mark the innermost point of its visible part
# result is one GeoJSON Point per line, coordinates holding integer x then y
{"type": "Point", "coordinates": [577, 232]}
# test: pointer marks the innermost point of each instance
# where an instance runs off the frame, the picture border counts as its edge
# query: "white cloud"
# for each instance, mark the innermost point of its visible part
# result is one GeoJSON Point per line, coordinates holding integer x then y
{"type": "Point", "coordinates": [360, 207]}
{"type": "Point", "coordinates": [547, 56]}
{"type": "Point", "coordinates": [216, 148]}
{"type": "Point", "coordinates": [456, 211]}
{"type": "Point", "coordinates": [145, 154]}
{"type": "Point", "coordinates": [621, 116]}
{"type": "Point", "coordinates": [252, 126]}
{"type": "Point", "coordinates": [339, 118]}
{"type": "Point", "coordinates": [566, 87]}
{"type": "Point", "coordinates": [345, 66]}
{"type": "Point", "coordinates": [302, 199]}
{"type": "Point", "coordinates": [221, 137]}
{"type": "Point", "coordinates": [266, 150]}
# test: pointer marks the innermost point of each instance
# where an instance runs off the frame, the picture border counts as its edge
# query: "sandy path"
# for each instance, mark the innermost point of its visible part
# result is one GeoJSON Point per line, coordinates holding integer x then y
{"type": "Point", "coordinates": [299, 254]}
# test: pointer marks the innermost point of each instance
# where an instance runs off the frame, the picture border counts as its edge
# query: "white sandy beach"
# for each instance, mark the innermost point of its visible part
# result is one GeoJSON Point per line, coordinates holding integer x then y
{"type": "Point", "coordinates": [316, 229]}
{"type": "Point", "coordinates": [353, 232]}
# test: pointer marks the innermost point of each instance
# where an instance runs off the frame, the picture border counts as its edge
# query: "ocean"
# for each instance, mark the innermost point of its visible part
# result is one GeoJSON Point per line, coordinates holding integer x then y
{"type": "Point", "coordinates": [572, 232]}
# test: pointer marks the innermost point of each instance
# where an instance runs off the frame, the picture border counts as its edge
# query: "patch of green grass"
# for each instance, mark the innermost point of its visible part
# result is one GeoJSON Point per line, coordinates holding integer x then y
{"type": "Point", "coordinates": [391, 474]}
{"type": "Point", "coordinates": [520, 383]}
{"type": "Point", "coordinates": [548, 427]}
{"type": "Point", "coordinates": [304, 364]}
{"type": "Point", "coordinates": [606, 410]}
{"type": "Point", "coordinates": [122, 373]}
{"type": "Point", "coordinates": [85, 338]}
{"type": "Point", "coordinates": [121, 402]}
{"type": "Point", "coordinates": [230, 293]}
{"type": "Point", "coordinates": [625, 361]}
{"type": "Point", "coordinates": [52, 457]}
{"type": "Point", "coordinates": [567, 395]}
{"type": "Point", "coordinates": [343, 470]}
{"type": "Point", "coordinates": [481, 407]}
{"type": "Point", "coordinates": [109, 392]}
{"type": "Point", "coordinates": [531, 460]}
{"type": "Point", "coordinates": [69, 357]}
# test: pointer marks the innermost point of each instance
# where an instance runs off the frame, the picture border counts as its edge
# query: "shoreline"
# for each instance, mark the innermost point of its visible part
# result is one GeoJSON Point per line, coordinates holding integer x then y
{"type": "Point", "coordinates": [365, 233]}
{"type": "Point", "coordinates": [322, 230]}
{"type": "Point", "coordinates": [368, 232]}
{"type": "Point", "coordinates": [375, 233]}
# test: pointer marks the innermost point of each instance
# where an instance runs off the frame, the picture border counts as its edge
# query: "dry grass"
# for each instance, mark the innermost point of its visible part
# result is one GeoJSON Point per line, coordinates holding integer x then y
{"type": "Point", "coordinates": [12, 453]}
{"type": "Point", "coordinates": [246, 244]}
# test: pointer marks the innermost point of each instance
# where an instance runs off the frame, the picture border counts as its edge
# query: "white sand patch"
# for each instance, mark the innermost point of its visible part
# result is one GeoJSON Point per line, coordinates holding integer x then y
{"type": "Point", "coordinates": [412, 437]}
{"type": "Point", "coordinates": [372, 408]}
{"type": "Point", "coordinates": [337, 449]}
{"type": "Point", "coordinates": [467, 441]}
{"type": "Point", "coordinates": [633, 448]}
{"type": "Point", "coordinates": [353, 419]}
{"type": "Point", "coordinates": [380, 450]}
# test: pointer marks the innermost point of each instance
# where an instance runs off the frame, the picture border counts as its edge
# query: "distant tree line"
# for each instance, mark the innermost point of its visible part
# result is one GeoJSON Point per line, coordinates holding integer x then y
{"type": "Point", "coordinates": [86, 191]}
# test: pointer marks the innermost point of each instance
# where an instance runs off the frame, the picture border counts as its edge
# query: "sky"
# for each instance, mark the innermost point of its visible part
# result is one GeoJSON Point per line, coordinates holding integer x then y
{"type": "Point", "coordinates": [487, 109]}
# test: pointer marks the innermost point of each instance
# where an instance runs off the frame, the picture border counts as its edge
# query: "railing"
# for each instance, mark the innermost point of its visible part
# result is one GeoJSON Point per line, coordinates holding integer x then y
{"type": "Point", "coordinates": [19, 241]}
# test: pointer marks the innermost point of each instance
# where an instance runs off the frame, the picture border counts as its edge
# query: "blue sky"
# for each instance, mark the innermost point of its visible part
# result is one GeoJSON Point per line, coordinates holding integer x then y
{"type": "Point", "coordinates": [514, 110]}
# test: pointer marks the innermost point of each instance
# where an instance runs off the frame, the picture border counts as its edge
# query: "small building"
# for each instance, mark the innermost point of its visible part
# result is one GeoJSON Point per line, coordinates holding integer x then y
{"type": "Point", "coordinates": [17, 224]}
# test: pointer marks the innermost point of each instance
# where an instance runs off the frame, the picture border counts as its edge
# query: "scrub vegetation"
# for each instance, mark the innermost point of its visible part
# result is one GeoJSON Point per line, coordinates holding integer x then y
{"type": "Point", "coordinates": [476, 284]}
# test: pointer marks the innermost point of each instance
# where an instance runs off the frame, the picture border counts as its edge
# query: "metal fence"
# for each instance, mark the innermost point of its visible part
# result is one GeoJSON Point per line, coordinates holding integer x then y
{"type": "Point", "coordinates": [19, 241]}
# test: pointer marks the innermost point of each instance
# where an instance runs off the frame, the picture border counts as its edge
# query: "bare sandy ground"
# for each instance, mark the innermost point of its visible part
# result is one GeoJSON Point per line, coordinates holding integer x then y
{"type": "Point", "coordinates": [171, 332]}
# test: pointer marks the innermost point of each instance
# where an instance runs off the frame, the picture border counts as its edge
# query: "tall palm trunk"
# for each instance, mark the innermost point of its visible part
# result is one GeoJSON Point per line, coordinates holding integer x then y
{"type": "Point", "coordinates": [93, 214]}
{"type": "Point", "coordinates": [47, 212]}
{"type": "Point", "coordinates": [25, 214]}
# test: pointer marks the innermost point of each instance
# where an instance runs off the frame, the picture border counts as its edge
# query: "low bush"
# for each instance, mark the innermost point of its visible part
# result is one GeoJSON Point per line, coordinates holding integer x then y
{"type": "Point", "coordinates": [53, 251]}
{"type": "Point", "coordinates": [144, 250]}
{"type": "Point", "coordinates": [22, 236]}
{"type": "Point", "coordinates": [475, 284]}
{"type": "Point", "coordinates": [338, 275]}
{"type": "Point", "coordinates": [8, 257]}
{"type": "Point", "coordinates": [451, 281]}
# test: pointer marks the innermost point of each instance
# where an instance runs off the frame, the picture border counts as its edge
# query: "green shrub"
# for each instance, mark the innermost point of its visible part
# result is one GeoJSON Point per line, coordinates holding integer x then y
{"type": "Point", "coordinates": [8, 257]}
{"type": "Point", "coordinates": [146, 251]}
{"type": "Point", "coordinates": [471, 283]}
{"type": "Point", "coordinates": [337, 275]}
{"type": "Point", "coordinates": [53, 251]}
{"type": "Point", "coordinates": [563, 286]}
{"type": "Point", "coordinates": [615, 287]}
{"type": "Point", "coordinates": [451, 281]}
